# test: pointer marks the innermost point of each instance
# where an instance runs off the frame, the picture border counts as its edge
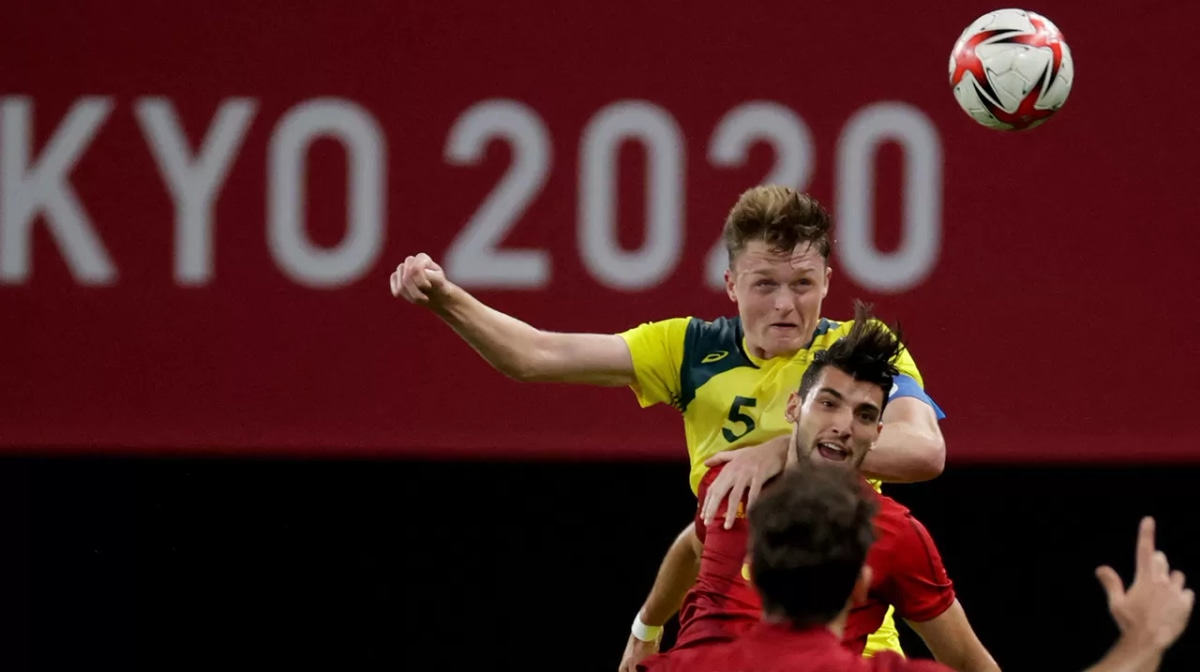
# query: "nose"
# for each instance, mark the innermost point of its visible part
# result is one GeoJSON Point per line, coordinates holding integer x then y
{"type": "Point", "coordinates": [785, 300]}
{"type": "Point", "coordinates": [843, 422]}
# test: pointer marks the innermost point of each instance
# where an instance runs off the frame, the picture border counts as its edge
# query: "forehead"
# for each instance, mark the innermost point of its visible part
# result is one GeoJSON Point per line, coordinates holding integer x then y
{"type": "Point", "coordinates": [854, 391]}
{"type": "Point", "coordinates": [757, 257]}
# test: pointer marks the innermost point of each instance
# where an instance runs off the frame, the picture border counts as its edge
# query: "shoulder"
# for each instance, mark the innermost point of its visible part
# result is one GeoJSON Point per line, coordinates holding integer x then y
{"type": "Point", "coordinates": [722, 335]}
{"type": "Point", "coordinates": [710, 348]}
{"type": "Point", "coordinates": [894, 522]}
{"type": "Point", "coordinates": [673, 328]}
{"type": "Point", "coordinates": [894, 530]}
{"type": "Point", "coordinates": [904, 546]}
{"type": "Point", "coordinates": [828, 332]}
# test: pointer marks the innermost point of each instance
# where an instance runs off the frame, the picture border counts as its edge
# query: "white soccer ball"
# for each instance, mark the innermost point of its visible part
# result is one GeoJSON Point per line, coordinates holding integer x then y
{"type": "Point", "coordinates": [1011, 70]}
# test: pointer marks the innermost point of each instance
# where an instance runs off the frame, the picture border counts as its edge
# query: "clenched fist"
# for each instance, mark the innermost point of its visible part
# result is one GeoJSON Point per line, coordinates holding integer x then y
{"type": "Point", "coordinates": [421, 281]}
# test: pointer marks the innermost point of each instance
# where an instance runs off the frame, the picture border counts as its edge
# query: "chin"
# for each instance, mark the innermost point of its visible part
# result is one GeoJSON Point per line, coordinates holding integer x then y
{"type": "Point", "coordinates": [789, 344]}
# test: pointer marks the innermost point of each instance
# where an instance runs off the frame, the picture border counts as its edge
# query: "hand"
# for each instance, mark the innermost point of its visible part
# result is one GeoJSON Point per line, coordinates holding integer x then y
{"type": "Point", "coordinates": [1156, 608]}
{"type": "Point", "coordinates": [636, 651]}
{"type": "Point", "coordinates": [420, 280]}
{"type": "Point", "coordinates": [746, 471]}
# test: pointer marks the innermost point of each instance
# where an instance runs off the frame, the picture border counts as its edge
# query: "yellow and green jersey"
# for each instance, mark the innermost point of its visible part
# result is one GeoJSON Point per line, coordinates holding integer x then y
{"type": "Point", "coordinates": [728, 397]}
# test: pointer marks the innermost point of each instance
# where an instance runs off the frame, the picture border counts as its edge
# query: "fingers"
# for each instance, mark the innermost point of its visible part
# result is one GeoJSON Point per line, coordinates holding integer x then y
{"type": "Point", "coordinates": [735, 499]}
{"type": "Point", "coordinates": [394, 281]}
{"type": "Point", "coordinates": [1159, 566]}
{"type": "Point", "coordinates": [416, 278]}
{"type": "Point", "coordinates": [719, 459]}
{"type": "Point", "coordinates": [712, 501]}
{"type": "Point", "coordinates": [756, 487]}
{"type": "Point", "coordinates": [1111, 582]}
{"type": "Point", "coordinates": [716, 494]}
{"type": "Point", "coordinates": [1145, 547]}
{"type": "Point", "coordinates": [1178, 579]}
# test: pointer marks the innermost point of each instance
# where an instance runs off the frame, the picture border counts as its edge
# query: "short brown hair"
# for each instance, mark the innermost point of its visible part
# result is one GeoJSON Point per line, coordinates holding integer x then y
{"type": "Point", "coordinates": [809, 536]}
{"type": "Point", "coordinates": [779, 216]}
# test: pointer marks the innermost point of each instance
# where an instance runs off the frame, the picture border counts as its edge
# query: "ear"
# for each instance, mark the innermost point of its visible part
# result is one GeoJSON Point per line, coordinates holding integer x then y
{"type": "Point", "coordinates": [862, 587]}
{"type": "Point", "coordinates": [792, 412]}
{"type": "Point", "coordinates": [828, 275]}
{"type": "Point", "coordinates": [729, 281]}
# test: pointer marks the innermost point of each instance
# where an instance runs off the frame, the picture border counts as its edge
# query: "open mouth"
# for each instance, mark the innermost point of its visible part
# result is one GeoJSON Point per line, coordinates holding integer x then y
{"type": "Point", "coordinates": [832, 451]}
{"type": "Point", "coordinates": [783, 325]}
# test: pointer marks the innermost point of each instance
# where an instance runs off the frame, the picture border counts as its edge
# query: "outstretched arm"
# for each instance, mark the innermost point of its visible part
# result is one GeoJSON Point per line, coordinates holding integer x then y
{"type": "Point", "coordinates": [676, 575]}
{"type": "Point", "coordinates": [513, 347]}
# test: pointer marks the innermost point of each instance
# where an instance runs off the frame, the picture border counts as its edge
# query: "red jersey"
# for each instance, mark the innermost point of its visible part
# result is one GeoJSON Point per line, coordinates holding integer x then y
{"type": "Point", "coordinates": [770, 647]}
{"type": "Point", "coordinates": [907, 574]}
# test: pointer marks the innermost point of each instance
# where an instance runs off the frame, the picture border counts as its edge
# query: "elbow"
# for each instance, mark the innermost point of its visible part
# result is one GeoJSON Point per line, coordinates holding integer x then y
{"type": "Point", "coordinates": [529, 363]}
{"type": "Point", "coordinates": [934, 458]}
{"type": "Point", "coordinates": [523, 372]}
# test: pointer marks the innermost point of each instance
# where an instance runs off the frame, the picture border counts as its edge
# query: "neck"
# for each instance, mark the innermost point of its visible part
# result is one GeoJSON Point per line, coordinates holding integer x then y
{"type": "Point", "coordinates": [761, 352]}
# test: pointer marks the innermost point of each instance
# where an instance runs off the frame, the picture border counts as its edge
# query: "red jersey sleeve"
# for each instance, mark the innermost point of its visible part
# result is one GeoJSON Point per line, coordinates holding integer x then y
{"type": "Point", "coordinates": [917, 584]}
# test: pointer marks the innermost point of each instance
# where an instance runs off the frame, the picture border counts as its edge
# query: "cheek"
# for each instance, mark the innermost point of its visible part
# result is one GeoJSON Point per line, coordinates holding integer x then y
{"type": "Point", "coordinates": [810, 301]}
{"type": "Point", "coordinates": [754, 303]}
{"type": "Point", "coordinates": [865, 436]}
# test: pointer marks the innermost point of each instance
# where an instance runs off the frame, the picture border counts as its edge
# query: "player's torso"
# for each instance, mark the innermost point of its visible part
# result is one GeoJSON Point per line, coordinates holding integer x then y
{"type": "Point", "coordinates": [732, 400]}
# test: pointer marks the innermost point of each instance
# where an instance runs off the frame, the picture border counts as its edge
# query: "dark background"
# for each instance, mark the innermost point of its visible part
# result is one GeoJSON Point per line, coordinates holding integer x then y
{"type": "Point", "coordinates": [163, 564]}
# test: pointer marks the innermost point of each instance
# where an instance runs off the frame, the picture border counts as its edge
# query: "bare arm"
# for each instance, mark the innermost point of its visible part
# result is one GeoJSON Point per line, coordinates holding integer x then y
{"type": "Point", "coordinates": [511, 346]}
{"type": "Point", "coordinates": [953, 642]}
{"type": "Point", "coordinates": [910, 448]}
{"type": "Point", "coordinates": [1128, 655]}
{"type": "Point", "coordinates": [676, 576]}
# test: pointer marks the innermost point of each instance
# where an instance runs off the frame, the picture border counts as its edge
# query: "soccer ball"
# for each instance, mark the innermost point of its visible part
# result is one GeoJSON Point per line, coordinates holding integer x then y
{"type": "Point", "coordinates": [1011, 70]}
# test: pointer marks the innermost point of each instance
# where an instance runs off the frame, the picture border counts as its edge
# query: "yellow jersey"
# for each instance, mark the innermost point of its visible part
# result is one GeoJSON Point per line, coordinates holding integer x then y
{"type": "Point", "coordinates": [730, 399]}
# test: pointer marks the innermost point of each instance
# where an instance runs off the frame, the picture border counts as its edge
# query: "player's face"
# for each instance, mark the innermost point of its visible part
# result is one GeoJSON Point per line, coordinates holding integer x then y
{"type": "Point", "coordinates": [837, 423]}
{"type": "Point", "coordinates": [778, 296]}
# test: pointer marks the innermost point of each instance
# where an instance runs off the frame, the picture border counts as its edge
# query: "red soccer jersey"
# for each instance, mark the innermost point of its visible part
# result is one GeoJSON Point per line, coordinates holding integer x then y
{"type": "Point", "coordinates": [907, 574]}
{"type": "Point", "coordinates": [769, 647]}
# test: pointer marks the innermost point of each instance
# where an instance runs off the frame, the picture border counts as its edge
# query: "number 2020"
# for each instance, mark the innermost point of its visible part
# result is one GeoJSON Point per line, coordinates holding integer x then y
{"type": "Point", "coordinates": [475, 258]}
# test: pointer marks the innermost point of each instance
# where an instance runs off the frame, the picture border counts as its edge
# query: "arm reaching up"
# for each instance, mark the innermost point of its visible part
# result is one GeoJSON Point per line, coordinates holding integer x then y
{"type": "Point", "coordinates": [514, 348]}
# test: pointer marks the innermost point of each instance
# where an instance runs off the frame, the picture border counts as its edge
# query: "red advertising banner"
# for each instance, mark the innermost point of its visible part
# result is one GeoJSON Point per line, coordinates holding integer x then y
{"type": "Point", "coordinates": [200, 206]}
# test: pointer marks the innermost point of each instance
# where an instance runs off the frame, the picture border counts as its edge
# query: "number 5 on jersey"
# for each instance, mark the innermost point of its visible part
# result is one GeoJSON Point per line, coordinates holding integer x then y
{"type": "Point", "coordinates": [736, 416]}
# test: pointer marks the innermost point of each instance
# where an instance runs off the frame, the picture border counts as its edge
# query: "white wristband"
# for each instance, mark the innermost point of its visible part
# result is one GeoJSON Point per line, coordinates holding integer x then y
{"type": "Point", "coordinates": [646, 633]}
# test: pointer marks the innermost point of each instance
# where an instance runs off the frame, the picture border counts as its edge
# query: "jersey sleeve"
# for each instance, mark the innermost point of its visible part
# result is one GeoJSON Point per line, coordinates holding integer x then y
{"type": "Point", "coordinates": [657, 352]}
{"type": "Point", "coordinates": [910, 383]}
{"type": "Point", "coordinates": [917, 584]}
{"type": "Point", "coordinates": [904, 385]}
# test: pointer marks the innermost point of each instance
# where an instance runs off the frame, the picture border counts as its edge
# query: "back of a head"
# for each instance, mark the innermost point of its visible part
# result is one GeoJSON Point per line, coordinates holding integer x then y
{"type": "Point", "coordinates": [779, 216]}
{"type": "Point", "coordinates": [809, 537]}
